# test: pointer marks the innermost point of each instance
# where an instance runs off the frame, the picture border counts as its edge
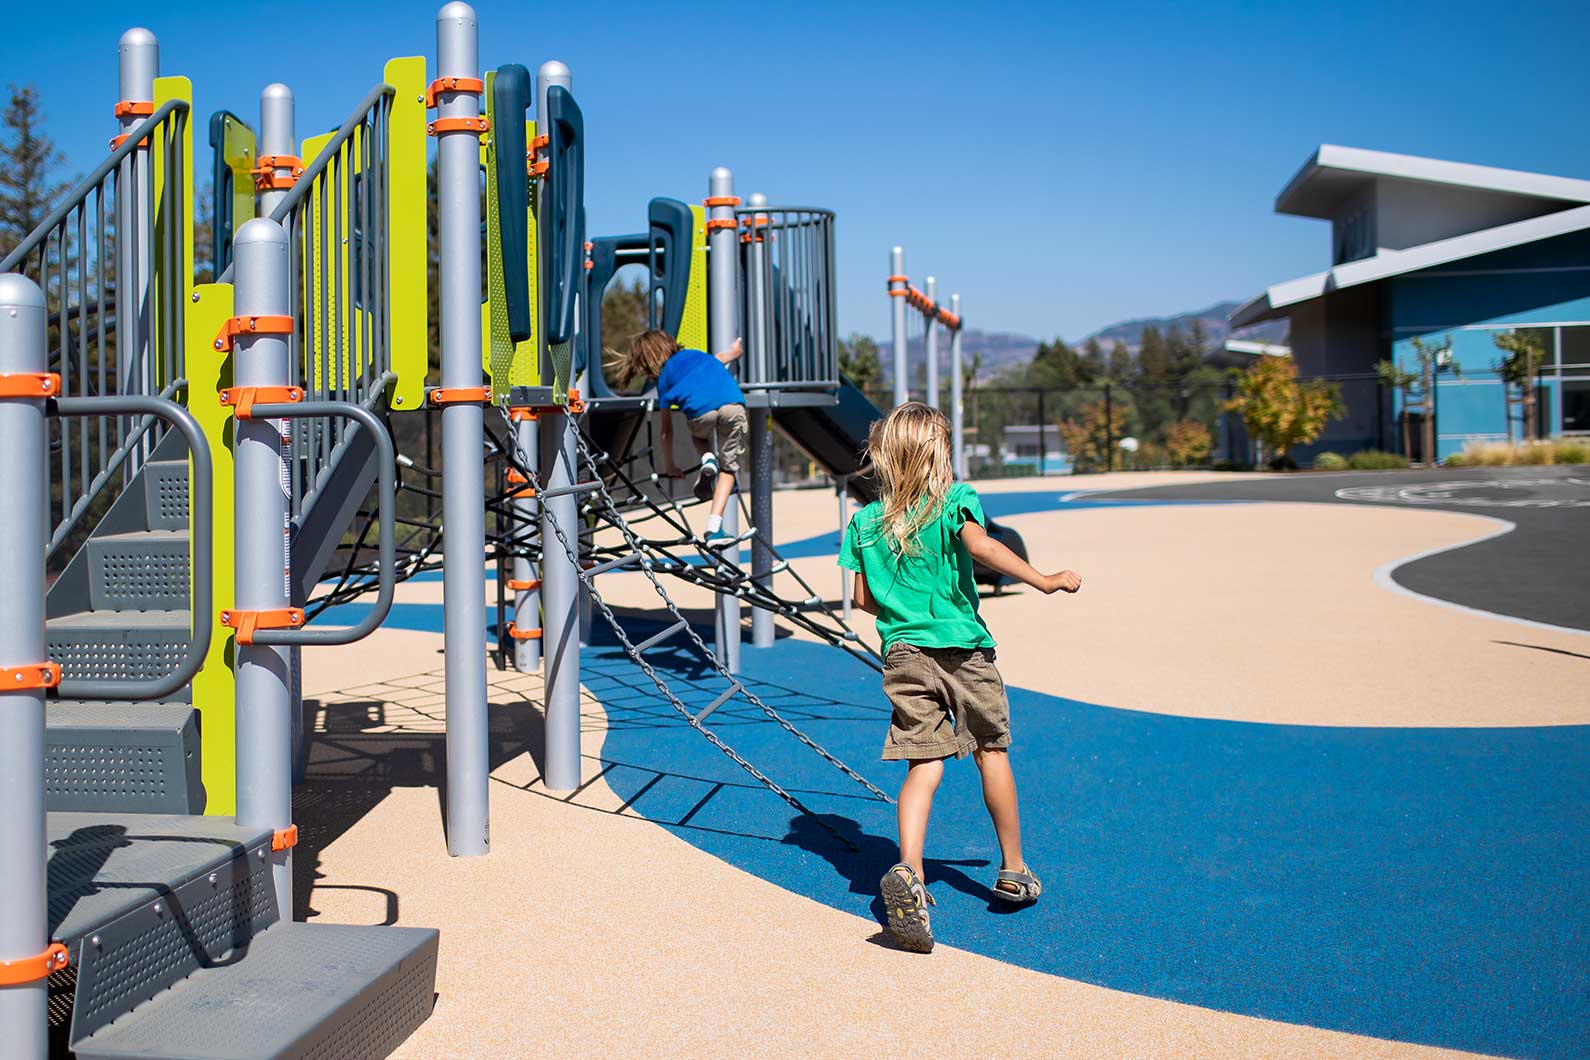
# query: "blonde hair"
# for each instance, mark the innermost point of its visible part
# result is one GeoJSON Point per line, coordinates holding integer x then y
{"type": "Point", "coordinates": [648, 351]}
{"type": "Point", "coordinates": [910, 452]}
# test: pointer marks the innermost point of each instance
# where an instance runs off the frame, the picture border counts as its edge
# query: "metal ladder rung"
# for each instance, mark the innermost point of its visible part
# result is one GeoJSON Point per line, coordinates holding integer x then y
{"type": "Point", "coordinates": [563, 491]}
{"type": "Point", "coordinates": [722, 699]}
{"type": "Point", "coordinates": [657, 638]}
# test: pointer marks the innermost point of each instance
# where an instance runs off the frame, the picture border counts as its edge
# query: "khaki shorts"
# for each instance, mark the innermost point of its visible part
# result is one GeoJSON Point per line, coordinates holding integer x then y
{"type": "Point", "coordinates": [947, 701]}
{"type": "Point", "coordinates": [730, 424]}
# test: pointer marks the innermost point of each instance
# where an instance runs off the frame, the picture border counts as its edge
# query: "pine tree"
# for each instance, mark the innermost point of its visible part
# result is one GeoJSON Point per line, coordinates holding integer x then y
{"type": "Point", "coordinates": [1121, 370]}
{"type": "Point", "coordinates": [860, 361]}
{"type": "Point", "coordinates": [28, 163]}
{"type": "Point", "coordinates": [1094, 367]}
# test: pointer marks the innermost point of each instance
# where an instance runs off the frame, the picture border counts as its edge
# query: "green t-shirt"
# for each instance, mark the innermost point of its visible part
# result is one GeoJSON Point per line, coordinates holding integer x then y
{"type": "Point", "coordinates": [928, 599]}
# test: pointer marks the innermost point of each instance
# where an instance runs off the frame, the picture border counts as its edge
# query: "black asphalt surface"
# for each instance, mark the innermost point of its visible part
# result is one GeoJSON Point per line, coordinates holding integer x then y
{"type": "Point", "coordinates": [1540, 571]}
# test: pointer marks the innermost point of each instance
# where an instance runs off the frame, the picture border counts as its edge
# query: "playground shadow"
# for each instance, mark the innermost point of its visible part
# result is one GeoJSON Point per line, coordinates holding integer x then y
{"type": "Point", "coordinates": [355, 754]}
{"type": "Point", "coordinates": [874, 855]}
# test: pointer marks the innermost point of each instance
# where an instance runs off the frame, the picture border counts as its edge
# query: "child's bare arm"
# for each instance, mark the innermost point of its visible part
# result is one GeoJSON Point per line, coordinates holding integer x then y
{"type": "Point", "coordinates": [732, 354]}
{"type": "Point", "coordinates": [862, 598]}
{"type": "Point", "coordinates": [995, 556]}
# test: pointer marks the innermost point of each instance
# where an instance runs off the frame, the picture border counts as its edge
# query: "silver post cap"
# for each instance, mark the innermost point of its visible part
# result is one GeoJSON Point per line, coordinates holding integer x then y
{"type": "Point", "coordinates": [19, 292]}
{"type": "Point", "coordinates": [138, 56]}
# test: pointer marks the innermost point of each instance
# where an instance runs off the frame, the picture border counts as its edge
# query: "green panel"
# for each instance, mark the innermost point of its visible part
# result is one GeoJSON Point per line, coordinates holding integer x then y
{"type": "Point", "coordinates": [406, 239]}
{"type": "Point", "coordinates": [177, 273]}
{"type": "Point", "coordinates": [508, 364]}
{"type": "Point", "coordinates": [238, 147]}
{"type": "Point", "coordinates": [693, 324]}
{"type": "Point", "coordinates": [214, 689]}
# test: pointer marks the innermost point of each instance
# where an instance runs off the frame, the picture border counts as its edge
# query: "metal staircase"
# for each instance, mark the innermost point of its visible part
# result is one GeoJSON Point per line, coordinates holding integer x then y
{"type": "Point", "coordinates": [164, 932]}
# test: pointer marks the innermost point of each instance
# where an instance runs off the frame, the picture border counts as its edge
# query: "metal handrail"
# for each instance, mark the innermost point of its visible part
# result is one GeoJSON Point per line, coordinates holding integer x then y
{"type": "Point", "coordinates": [91, 183]}
{"type": "Point", "coordinates": [202, 601]}
{"type": "Point", "coordinates": [386, 500]}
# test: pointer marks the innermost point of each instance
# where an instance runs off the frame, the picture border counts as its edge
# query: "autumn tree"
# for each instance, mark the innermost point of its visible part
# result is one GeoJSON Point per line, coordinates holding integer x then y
{"type": "Point", "coordinates": [1188, 442]}
{"type": "Point", "coordinates": [1086, 435]}
{"type": "Point", "coordinates": [1279, 410]}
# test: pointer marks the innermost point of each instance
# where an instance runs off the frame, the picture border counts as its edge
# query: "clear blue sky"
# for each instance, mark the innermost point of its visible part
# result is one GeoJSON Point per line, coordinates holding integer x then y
{"type": "Point", "coordinates": [1061, 165]}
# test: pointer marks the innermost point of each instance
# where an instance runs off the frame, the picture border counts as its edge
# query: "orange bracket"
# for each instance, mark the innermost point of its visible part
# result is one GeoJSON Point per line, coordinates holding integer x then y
{"type": "Point", "coordinates": [515, 477]}
{"type": "Point", "coordinates": [117, 141]}
{"type": "Point", "coordinates": [244, 398]}
{"type": "Point", "coordinates": [899, 279]}
{"type": "Point", "coordinates": [722, 222]}
{"type": "Point", "coordinates": [538, 144]}
{"type": "Point", "coordinates": [523, 634]}
{"type": "Point", "coordinates": [32, 969]}
{"type": "Point", "coordinates": [522, 414]}
{"type": "Point", "coordinates": [29, 676]}
{"type": "Point", "coordinates": [576, 406]}
{"type": "Point", "coordinates": [247, 623]}
{"type": "Point", "coordinates": [29, 384]}
{"type": "Point", "coordinates": [896, 292]}
{"type": "Point", "coordinates": [479, 126]}
{"type": "Point", "coordinates": [538, 170]}
{"type": "Point", "coordinates": [459, 395]}
{"type": "Point", "coordinates": [285, 838]}
{"type": "Point", "coordinates": [474, 86]}
{"type": "Point", "coordinates": [135, 108]}
{"type": "Point", "coordinates": [515, 585]}
{"type": "Point", "coordinates": [720, 200]}
{"type": "Point", "coordinates": [279, 324]}
{"type": "Point", "coordinates": [573, 408]}
{"type": "Point", "coordinates": [267, 179]}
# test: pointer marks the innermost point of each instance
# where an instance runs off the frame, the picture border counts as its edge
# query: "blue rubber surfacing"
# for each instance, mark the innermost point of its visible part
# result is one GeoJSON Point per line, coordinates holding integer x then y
{"type": "Point", "coordinates": [1421, 885]}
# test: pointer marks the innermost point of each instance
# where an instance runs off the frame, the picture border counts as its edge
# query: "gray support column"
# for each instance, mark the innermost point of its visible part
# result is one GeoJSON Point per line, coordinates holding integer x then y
{"type": "Point", "coordinates": [260, 575]}
{"type": "Point", "coordinates": [276, 137]}
{"type": "Point", "coordinates": [930, 343]}
{"type": "Point", "coordinates": [957, 402]}
{"type": "Point", "coordinates": [723, 327]}
{"type": "Point", "coordinates": [761, 442]}
{"type": "Point", "coordinates": [23, 453]}
{"type": "Point", "coordinates": [842, 482]}
{"type": "Point", "coordinates": [560, 582]}
{"type": "Point", "coordinates": [463, 485]}
{"type": "Point", "coordinates": [902, 392]}
{"type": "Point", "coordinates": [138, 54]}
{"type": "Point", "coordinates": [526, 602]}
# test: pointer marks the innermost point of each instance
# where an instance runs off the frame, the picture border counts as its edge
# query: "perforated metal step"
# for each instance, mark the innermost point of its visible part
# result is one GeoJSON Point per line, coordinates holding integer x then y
{"type": "Point", "coordinates": [119, 645]}
{"type": "Point", "coordinates": [298, 992]}
{"type": "Point", "coordinates": [122, 758]}
{"type": "Point", "coordinates": [166, 494]}
{"type": "Point", "coordinates": [142, 571]}
{"type": "Point", "coordinates": [144, 900]}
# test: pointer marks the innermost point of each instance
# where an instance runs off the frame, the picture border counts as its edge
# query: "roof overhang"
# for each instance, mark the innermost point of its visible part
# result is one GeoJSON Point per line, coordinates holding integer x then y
{"type": "Point", "coordinates": [1281, 299]}
{"type": "Point", "coordinates": [1335, 174]}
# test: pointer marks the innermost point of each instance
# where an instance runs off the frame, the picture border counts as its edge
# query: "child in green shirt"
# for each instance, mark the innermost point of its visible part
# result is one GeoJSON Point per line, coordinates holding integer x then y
{"type": "Point", "coordinates": [913, 552]}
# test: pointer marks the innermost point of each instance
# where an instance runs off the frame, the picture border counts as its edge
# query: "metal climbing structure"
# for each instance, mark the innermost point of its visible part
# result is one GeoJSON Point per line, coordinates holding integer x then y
{"type": "Point", "coordinates": [205, 469]}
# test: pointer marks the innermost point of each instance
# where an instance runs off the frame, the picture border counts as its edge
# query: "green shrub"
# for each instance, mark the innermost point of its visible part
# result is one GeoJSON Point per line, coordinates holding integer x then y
{"type": "Point", "coordinates": [1375, 460]}
{"type": "Point", "coordinates": [1328, 461]}
{"type": "Point", "coordinates": [1536, 454]}
{"type": "Point", "coordinates": [1571, 450]}
{"type": "Point", "coordinates": [1463, 459]}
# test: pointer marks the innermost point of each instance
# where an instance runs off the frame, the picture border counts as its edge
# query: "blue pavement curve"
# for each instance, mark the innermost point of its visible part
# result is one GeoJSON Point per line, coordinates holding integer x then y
{"type": "Point", "coordinates": [1420, 885]}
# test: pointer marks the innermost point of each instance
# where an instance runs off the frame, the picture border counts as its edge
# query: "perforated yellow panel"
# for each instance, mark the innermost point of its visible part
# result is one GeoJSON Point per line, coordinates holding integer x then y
{"type": "Point", "coordinates": [408, 308]}
{"type": "Point", "coordinates": [693, 324]}
{"type": "Point", "coordinates": [507, 363]}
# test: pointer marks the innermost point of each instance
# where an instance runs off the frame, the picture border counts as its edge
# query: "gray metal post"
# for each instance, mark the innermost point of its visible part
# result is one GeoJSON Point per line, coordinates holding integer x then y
{"type": "Point", "coordinates": [902, 392]}
{"type": "Point", "coordinates": [526, 602]}
{"type": "Point", "coordinates": [762, 633]}
{"type": "Point", "coordinates": [723, 322]}
{"type": "Point", "coordinates": [463, 485]}
{"type": "Point", "coordinates": [260, 576]}
{"type": "Point", "coordinates": [276, 137]}
{"type": "Point", "coordinates": [23, 453]}
{"type": "Point", "coordinates": [560, 582]}
{"type": "Point", "coordinates": [930, 343]}
{"type": "Point", "coordinates": [957, 403]}
{"type": "Point", "coordinates": [138, 55]}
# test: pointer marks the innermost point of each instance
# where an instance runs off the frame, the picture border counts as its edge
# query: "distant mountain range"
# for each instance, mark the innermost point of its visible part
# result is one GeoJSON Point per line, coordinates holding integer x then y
{"type": "Point", "coordinates": [1001, 349]}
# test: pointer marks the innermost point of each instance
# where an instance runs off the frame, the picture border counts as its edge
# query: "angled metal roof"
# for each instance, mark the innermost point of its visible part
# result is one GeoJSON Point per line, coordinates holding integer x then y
{"type": "Point", "coordinates": [1278, 300]}
{"type": "Point", "coordinates": [1335, 173]}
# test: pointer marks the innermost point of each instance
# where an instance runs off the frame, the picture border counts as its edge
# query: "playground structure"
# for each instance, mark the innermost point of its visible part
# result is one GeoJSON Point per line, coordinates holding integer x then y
{"type": "Point", "coordinates": [929, 314]}
{"type": "Point", "coordinates": [204, 466]}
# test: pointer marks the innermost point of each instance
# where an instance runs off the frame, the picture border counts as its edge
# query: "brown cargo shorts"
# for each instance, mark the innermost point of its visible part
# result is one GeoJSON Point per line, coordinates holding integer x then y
{"type": "Point", "coordinates": [730, 424]}
{"type": "Point", "coordinates": [947, 701]}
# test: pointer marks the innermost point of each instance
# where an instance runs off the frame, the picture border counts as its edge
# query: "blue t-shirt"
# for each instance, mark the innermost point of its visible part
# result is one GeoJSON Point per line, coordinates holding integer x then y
{"type": "Point", "coordinates": [698, 383]}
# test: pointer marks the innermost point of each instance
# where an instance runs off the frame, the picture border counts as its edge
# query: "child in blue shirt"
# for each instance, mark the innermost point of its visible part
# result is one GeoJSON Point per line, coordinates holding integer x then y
{"type": "Point", "coordinates": [700, 385]}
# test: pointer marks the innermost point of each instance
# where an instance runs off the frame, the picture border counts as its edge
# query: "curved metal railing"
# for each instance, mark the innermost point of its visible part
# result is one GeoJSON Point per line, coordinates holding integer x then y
{"type": "Point", "coordinates": [787, 297]}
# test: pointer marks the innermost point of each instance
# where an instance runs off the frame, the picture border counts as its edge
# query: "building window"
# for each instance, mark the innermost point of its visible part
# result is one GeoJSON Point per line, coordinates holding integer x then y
{"type": "Point", "coordinates": [1574, 371]}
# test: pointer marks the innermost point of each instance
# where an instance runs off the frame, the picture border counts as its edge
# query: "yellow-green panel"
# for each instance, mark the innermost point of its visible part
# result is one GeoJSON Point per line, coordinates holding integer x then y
{"type": "Point", "coordinates": [526, 370]}
{"type": "Point", "coordinates": [319, 296]}
{"type": "Point", "coordinates": [177, 273]}
{"type": "Point", "coordinates": [238, 147]}
{"type": "Point", "coordinates": [693, 324]}
{"type": "Point", "coordinates": [508, 364]}
{"type": "Point", "coordinates": [214, 689]}
{"type": "Point", "coordinates": [409, 304]}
